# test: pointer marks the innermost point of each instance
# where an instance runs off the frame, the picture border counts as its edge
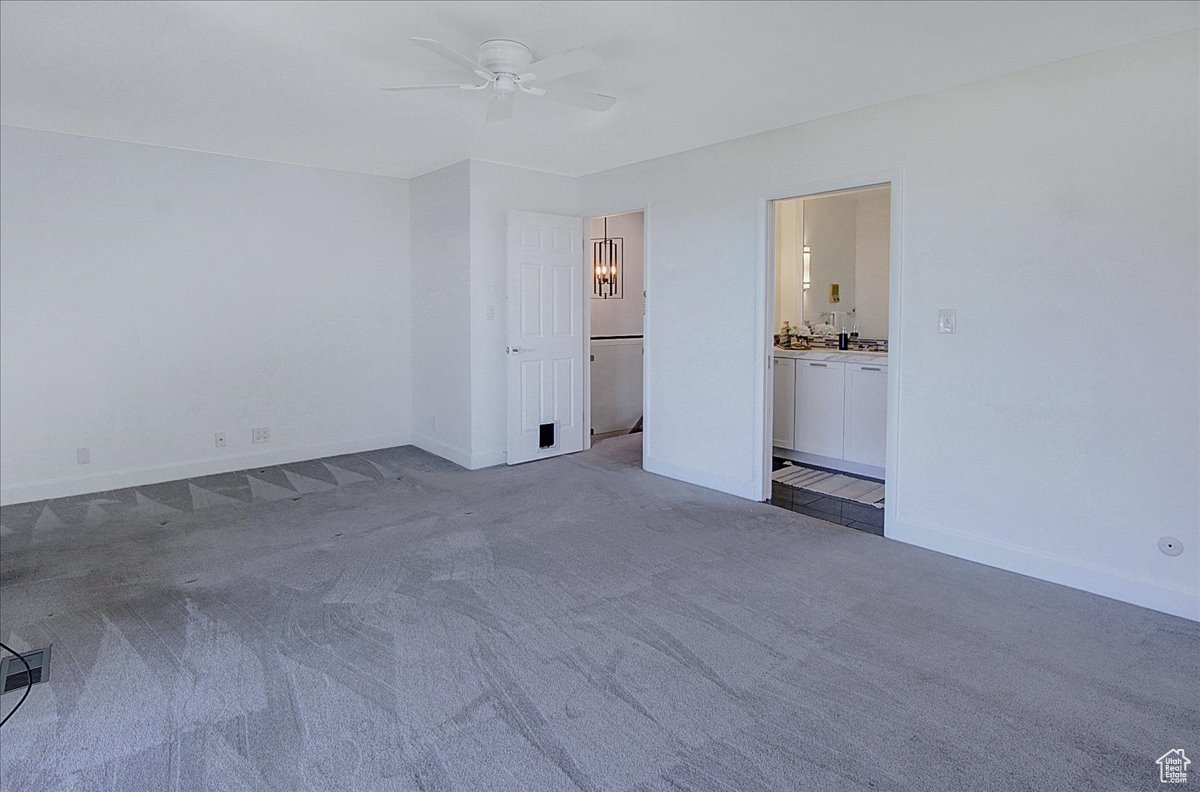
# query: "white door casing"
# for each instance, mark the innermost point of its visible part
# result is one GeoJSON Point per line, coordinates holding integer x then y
{"type": "Point", "coordinates": [545, 335]}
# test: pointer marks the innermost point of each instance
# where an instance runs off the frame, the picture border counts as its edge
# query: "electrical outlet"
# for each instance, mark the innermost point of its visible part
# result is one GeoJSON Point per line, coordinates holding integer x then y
{"type": "Point", "coordinates": [947, 320]}
{"type": "Point", "coordinates": [219, 439]}
{"type": "Point", "coordinates": [261, 434]}
{"type": "Point", "coordinates": [491, 313]}
{"type": "Point", "coordinates": [83, 456]}
{"type": "Point", "coordinates": [433, 423]}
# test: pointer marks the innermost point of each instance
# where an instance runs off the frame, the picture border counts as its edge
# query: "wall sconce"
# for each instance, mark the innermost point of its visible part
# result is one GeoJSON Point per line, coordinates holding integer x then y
{"type": "Point", "coordinates": [607, 258]}
{"type": "Point", "coordinates": [807, 256]}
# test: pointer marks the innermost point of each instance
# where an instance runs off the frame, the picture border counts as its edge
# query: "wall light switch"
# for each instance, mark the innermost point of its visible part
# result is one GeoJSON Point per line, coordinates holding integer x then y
{"type": "Point", "coordinates": [947, 320]}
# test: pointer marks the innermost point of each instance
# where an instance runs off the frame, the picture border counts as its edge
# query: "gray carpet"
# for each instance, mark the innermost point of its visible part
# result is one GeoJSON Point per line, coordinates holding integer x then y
{"type": "Point", "coordinates": [572, 623]}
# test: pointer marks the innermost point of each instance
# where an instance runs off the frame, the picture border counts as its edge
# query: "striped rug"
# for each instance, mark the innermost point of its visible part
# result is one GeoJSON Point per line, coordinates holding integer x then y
{"type": "Point", "coordinates": [835, 484]}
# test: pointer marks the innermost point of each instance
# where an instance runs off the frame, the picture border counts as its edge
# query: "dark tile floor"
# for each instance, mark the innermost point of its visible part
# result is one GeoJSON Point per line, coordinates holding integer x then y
{"type": "Point", "coordinates": [826, 507]}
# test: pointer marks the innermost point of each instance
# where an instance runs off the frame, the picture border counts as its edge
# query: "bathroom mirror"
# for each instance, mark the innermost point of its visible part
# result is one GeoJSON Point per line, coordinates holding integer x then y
{"type": "Point", "coordinates": [831, 260]}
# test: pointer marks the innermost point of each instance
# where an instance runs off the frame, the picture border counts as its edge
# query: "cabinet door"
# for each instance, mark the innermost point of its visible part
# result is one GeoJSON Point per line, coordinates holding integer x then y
{"type": "Point", "coordinates": [866, 414]}
{"type": "Point", "coordinates": [820, 407]}
{"type": "Point", "coordinates": [784, 420]}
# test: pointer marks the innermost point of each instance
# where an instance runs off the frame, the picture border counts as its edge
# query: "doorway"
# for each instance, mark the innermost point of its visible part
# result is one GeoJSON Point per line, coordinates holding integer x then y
{"type": "Point", "coordinates": [615, 317]}
{"type": "Point", "coordinates": [830, 402]}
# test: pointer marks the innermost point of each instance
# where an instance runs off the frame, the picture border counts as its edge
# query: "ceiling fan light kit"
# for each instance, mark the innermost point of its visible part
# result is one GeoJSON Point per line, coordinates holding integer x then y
{"type": "Point", "coordinates": [507, 68]}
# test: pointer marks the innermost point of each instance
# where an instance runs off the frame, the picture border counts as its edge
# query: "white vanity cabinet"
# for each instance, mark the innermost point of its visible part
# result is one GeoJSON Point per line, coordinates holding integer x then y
{"type": "Point", "coordinates": [784, 422]}
{"type": "Point", "coordinates": [820, 407]}
{"type": "Point", "coordinates": [831, 410]}
{"type": "Point", "coordinates": [866, 414]}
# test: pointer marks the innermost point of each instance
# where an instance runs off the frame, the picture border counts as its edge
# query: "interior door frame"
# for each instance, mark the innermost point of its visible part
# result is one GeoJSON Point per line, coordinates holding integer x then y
{"type": "Point", "coordinates": [766, 307]}
{"type": "Point", "coordinates": [587, 320]}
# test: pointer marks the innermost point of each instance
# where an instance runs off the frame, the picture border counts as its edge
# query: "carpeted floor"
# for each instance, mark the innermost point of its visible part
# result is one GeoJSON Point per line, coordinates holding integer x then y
{"type": "Point", "coordinates": [572, 623]}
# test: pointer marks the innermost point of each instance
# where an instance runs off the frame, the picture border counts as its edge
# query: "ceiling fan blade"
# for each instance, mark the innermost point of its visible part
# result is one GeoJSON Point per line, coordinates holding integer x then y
{"type": "Point", "coordinates": [561, 65]}
{"type": "Point", "coordinates": [454, 56]}
{"type": "Point", "coordinates": [499, 107]}
{"type": "Point", "coordinates": [585, 99]}
{"type": "Point", "coordinates": [464, 86]}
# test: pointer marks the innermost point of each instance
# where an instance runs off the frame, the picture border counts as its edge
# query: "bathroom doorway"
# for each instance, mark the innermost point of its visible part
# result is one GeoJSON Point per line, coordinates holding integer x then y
{"type": "Point", "coordinates": [831, 256]}
{"type": "Point", "coordinates": [614, 254]}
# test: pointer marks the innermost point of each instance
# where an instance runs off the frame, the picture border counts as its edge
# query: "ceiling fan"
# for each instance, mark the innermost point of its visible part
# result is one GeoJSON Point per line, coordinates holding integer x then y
{"type": "Point", "coordinates": [507, 67]}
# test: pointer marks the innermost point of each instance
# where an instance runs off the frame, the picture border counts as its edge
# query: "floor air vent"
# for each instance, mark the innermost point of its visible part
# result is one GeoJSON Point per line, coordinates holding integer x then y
{"type": "Point", "coordinates": [13, 672]}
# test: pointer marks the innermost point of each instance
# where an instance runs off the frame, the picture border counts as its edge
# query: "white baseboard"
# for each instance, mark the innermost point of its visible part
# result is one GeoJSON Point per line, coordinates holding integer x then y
{"type": "Point", "coordinates": [458, 456]}
{"type": "Point", "coordinates": [485, 459]}
{"type": "Point", "coordinates": [1066, 572]}
{"type": "Point", "coordinates": [154, 474]}
{"type": "Point", "coordinates": [742, 488]}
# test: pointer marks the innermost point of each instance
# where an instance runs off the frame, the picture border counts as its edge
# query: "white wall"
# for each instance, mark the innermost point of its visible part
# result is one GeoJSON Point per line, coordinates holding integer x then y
{"type": "Point", "coordinates": [616, 384]}
{"type": "Point", "coordinates": [151, 297]}
{"type": "Point", "coordinates": [1056, 209]}
{"type": "Point", "coordinates": [623, 316]}
{"type": "Point", "coordinates": [831, 228]}
{"type": "Point", "coordinates": [495, 189]}
{"type": "Point", "coordinates": [873, 236]}
{"type": "Point", "coordinates": [460, 227]}
{"type": "Point", "coordinates": [441, 325]}
{"type": "Point", "coordinates": [789, 264]}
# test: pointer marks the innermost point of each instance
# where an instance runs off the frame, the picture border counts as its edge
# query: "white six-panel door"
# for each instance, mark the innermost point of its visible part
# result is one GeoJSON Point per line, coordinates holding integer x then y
{"type": "Point", "coordinates": [545, 335]}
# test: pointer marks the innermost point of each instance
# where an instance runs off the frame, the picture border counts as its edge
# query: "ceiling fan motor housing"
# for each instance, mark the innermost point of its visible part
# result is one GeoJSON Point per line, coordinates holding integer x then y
{"type": "Point", "coordinates": [506, 67]}
{"type": "Point", "coordinates": [504, 56]}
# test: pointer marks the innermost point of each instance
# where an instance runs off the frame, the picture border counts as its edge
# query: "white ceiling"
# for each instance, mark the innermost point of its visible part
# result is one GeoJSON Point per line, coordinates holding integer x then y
{"type": "Point", "coordinates": [298, 81]}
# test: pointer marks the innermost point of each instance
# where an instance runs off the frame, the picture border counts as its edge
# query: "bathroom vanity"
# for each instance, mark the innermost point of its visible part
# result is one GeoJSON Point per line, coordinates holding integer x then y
{"type": "Point", "coordinates": [830, 409]}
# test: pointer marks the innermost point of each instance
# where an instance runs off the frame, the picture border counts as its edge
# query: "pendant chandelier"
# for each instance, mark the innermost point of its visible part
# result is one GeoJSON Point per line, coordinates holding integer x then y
{"type": "Point", "coordinates": [606, 265]}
